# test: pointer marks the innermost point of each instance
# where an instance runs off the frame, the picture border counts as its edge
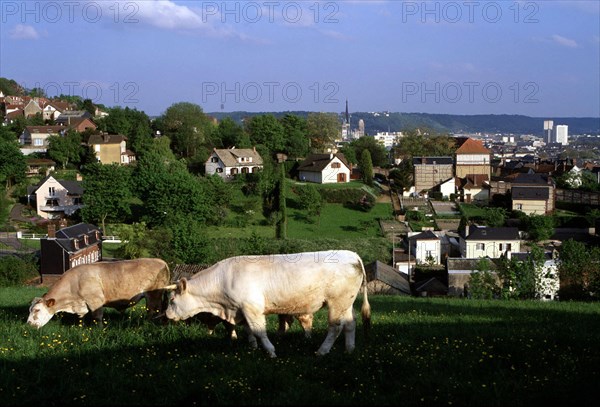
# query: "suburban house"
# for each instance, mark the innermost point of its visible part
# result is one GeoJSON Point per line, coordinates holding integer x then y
{"type": "Point", "coordinates": [82, 124]}
{"type": "Point", "coordinates": [533, 194]}
{"type": "Point", "coordinates": [111, 148]}
{"type": "Point", "coordinates": [430, 172]}
{"type": "Point", "coordinates": [492, 242]}
{"type": "Point", "coordinates": [55, 199]}
{"type": "Point", "coordinates": [34, 139]}
{"type": "Point", "coordinates": [471, 157]}
{"type": "Point", "coordinates": [232, 161]}
{"type": "Point", "coordinates": [328, 168]}
{"type": "Point", "coordinates": [67, 116]}
{"type": "Point", "coordinates": [32, 107]}
{"type": "Point", "coordinates": [384, 279]}
{"type": "Point", "coordinates": [473, 188]}
{"type": "Point", "coordinates": [426, 247]}
{"type": "Point", "coordinates": [67, 248]}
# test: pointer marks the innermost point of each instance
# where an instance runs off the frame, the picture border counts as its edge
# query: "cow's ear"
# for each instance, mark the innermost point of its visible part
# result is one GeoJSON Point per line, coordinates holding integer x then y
{"type": "Point", "coordinates": [182, 285]}
{"type": "Point", "coordinates": [50, 302]}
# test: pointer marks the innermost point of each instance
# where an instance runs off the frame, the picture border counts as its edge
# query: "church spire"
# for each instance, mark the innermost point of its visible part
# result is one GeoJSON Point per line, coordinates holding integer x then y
{"type": "Point", "coordinates": [347, 115]}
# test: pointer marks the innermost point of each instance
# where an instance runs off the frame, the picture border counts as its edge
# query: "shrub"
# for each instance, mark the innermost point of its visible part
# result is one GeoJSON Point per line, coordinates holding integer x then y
{"type": "Point", "coordinates": [16, 271]}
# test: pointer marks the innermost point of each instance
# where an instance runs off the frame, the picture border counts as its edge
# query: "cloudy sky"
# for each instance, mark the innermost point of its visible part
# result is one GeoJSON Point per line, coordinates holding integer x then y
{"type": "Point", "coordinates": [536, 58]}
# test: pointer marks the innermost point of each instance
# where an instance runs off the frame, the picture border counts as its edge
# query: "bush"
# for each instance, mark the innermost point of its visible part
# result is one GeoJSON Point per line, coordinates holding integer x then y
{"type": "Point", "coordinates": [15, 271]}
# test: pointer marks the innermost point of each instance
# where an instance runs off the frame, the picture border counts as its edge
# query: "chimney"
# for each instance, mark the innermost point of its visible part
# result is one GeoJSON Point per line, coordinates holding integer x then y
{"type": "Point", "coordinates": [106, 137]}
{"type": "Point", "coordinates": [51, 230]}
{"type": "Point", "coordinates": [331, 156]}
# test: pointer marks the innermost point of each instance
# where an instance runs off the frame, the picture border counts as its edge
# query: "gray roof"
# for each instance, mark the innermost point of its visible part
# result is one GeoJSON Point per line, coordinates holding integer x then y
{"type": "Point", "coordinates": [460, 264]}
{"type": "Point", "coordinates": [488, 233]}
{"type": "Point", "coordinates": [106, 139]}
{"type": "Point", "coordinates": [229, 157]}
{"type": "Point", "coordinates": [65, 237]}
{"type": "Point", "coordinates": [318, 162]}
{"type": "Point", "coordinates": [530, 193]}
{"type": "Point", "coordinates": [388, 275]}
{"type": "Point", "coordinates": [431, 285]}
{"type": "Point", "coordinates": [531, 179]}
{"type": "Point", "coordinates": [72, 187]}
{"type": "Point", "coordinates": [427, 235]}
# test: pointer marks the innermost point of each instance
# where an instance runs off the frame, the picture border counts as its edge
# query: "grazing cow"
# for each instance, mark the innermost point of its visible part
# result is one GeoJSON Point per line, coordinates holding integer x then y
{"type": "Point", "coordinates": [90, 287]}
{"type": "Point", "coordinates": [247, 288]}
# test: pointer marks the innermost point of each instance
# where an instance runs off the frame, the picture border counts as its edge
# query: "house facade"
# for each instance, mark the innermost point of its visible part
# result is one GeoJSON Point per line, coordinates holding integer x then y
{"type": "Point", "coordinates": [472, 157]}
{"type": "Point", "coordinates": [430, 172]}
{"type": "Point", "coordinates": [34, 139]}
{"type": "Point", "coordinates": [426, 247]}
{"type": "Point", "coordinates": [326, 168]}
{"type": "Point", "coordinates": [55, 199]}
{"type": "Point", "coordinates": [69, 247]}
{"type": "Point", "coordinates": [473, 188]}
{"type": "Point", "coordinates": [227, 163]}
{"type": "Point", "coordinates": [111, 148]}
{"type": "Point", "coordinates": [533, 194]}
{"type": "Point", "coordinates": [481, 241]}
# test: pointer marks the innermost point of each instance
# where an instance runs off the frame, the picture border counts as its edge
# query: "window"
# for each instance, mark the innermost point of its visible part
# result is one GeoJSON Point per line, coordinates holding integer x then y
{"type": "Point", "coordinates": [219, 170]}
{"type": "Point", "coordinates": [51, 191]}
{"type": "Point", "coordinates": [508, 247]}
{"type": "Point", "coordinates": [214, 160]}
{"type": "Point", "coordinates": [38, 142]}
{"type": "Point", "coordinates": [480, 246]}
{"type": "Point", "coordinates": [519, 207]}
{"type": "Point", "coordinates": [336, 165]}
{"type": "Point", "coordinates": [501, 246]}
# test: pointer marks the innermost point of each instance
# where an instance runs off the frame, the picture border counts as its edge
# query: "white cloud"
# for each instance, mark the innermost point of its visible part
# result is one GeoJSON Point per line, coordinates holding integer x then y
{"type": "Point", "coordinates": [565, 42]}
{"type": "Point", "coordinates": [24, 32]}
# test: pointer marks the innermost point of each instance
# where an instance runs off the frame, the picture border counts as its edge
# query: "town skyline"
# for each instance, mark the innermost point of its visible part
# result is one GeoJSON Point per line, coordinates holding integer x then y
{"type": "Point", "coordinates": [539, 59]}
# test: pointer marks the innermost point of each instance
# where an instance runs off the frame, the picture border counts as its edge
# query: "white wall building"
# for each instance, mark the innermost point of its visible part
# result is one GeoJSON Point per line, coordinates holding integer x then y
{"type": "Point", "coordinates": [560, 134]}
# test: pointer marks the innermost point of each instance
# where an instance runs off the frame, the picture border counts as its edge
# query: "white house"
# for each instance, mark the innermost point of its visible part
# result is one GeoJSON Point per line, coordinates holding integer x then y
{"type": "Point", "coordinates": [35, 138]}
{"type": "Point", "coordinates": [55, 199]}
{"type": "Point", "coordinates": [325, 169]}
{"type": "Point", "coordinates": [481, 241]}
{"type": "Point", "coordinates": [426, 247]}
{"type": "Point", "coordinates": [229, 162]}
{"type": "Point", "coordinates": [548, 282]}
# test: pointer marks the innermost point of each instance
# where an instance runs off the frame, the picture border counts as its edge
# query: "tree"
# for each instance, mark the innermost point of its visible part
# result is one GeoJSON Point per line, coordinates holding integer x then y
{"type": "Point", "coordinates": [482, 283]}
{"type": "Point", "coordinates": [229, 134]}
{"type": "Point", "coordinates": [281, 231]}
{"type": "Point", "coordinates": [13, 166]}
{"type": "Point", "coordinates": [65, 149]}
{"type": "Point", "coordinates": [132, 123]}
{"type": "Point", "coordinates": [310, 200]}
{"type": "Point", "coordinates": [379, 155]}
{"type": "Point", "coordinates": [366, 167]}
{"type": "Point", "coordinates": [266, 130]}
{"type": "Point", "coordinates": [540, 227]}
{"type": "Point", "coordinates": [106, 194]}
{"type": "Point", "coordinates": [297, 143]}
{"type": "Point", "coordinates": [402, 176]}
{"type": "Point", "coordinates": [521, 278]}
{"type": "Point", "coordinates": [495, 217]}
{"type": "Point", "coordinates": [322, 129]}
{"type": "Point", "coordinates": [187, 126]}
{"type": "Point", "coordinates": [579, 271]}
{"type": "Point", "coordinates": [89, 107]}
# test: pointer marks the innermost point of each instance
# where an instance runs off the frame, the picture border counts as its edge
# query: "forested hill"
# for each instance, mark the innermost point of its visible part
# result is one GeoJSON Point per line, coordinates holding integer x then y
{"type": "Point", "coordinates": [485, 123]}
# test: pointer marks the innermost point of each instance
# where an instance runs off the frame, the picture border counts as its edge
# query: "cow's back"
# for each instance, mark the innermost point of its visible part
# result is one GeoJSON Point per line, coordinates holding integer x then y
{"type": "Point", "coordinates": [129, 277]}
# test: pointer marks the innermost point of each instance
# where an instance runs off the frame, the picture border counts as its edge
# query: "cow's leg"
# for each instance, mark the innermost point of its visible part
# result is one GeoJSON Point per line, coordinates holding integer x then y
{"type": "Point", "coordinates": [349, 329]}
{"type": "Point", "coordinates": [251, 337]}
{"type": "Point", "coordinates": [154, 301]}
{"type": "Point", "coordinates": [257, 323]}
{"type": "Point", "coordinates": [337, 321]}
{"type": "Point", "coordinates": [306, 321]}
{"type": "Point", "coordinates": [230, 328]}
{"type": "Point", "coordinates": [97, 314]}
{"type": "Point", "coordinates": [285, 321]}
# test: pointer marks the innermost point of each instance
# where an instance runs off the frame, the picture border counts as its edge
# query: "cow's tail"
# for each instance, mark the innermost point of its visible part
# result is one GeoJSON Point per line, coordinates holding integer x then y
{"type": "Point", "coordinates": [365, 309]}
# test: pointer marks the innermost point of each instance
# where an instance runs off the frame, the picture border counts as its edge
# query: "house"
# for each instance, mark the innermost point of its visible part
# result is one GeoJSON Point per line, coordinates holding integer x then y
{"type": "Point", "coordinates": [55, 199]}
{"type": "Point", "coordinates": [67, 116]}
{"type": "Point", "coordinates": [67, 248]}
{"type": "Point", "coordinates": [111, 148]}
{"type": "Point", "coordinates": [232, 161]}
{"type": "Point", "coordinates": [492, 242]}
{"type": "Point", "coordinates": [473, 188]}
{"type": "Point", "coordinates": [327, 168]}
{"type": "Point", "coordinates": [432, 287]}
{"type": "Point", "coordinates": [533, 194]}
{"type": "Point", "coordinates": [82, 124]}
{"type": "Point", "coordinates": [32, 108]}
{"type": "Point", "coordinates": [472, 157]}
{"type": "Point", "coordinates": [459, 273]}
{"type": "Point", "coordinates": [384, 279]}
{"type": "Point", "coordinates": [34, 139]}
{"type": "Point", "coordinates": [426, 247]}
{"type": "Point", "coordinates": [430, 172]}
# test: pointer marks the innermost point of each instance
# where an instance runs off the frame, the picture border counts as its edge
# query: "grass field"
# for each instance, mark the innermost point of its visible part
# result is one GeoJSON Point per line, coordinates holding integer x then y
{"type": "Point", "coordinates": [421, 351]}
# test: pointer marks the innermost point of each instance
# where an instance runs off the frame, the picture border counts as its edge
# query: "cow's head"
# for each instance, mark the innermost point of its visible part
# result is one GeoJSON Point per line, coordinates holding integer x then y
{"type": "Point", "coordinates": [182, 304]}
{"type": "Point", "coordinates": [40, 311]}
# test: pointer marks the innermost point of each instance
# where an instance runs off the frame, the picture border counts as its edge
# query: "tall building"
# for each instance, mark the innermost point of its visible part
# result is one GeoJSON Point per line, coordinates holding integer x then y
{"type": "Point", "coordinates": [346, 124]}
{"type": "Point", "coordinates": [548, 125]}
{"type": "Point", "coordinates": [560, 134]}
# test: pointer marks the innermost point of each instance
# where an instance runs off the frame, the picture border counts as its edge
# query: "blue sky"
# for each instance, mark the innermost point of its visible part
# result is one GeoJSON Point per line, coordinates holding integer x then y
{"type": "Point", "coordinates": [536, 58]}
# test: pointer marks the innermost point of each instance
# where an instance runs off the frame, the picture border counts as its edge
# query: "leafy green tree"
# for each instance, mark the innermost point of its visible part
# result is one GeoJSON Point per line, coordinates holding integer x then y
{"type": "Point", "coordinates": [107, 194]}
{"type": "Point", "coordinates": [379, 155]}
{"type": "Point", "coordinates": [188, 128]}
{"type": "Point", "coordinates": [65, 149]}
{"type": "Point", "coordinates": [229, 134]}
{"type": "Point", "coordinates": [323, 129]}
{"type": "Point", "coordinates": [495, 217]}
{"type": "Point", "coordinates": [402, 176]}
{"type": "Point", "coordinates": [297, 143]}
{"type": "Point", "coordinates": [366, 167]}
{"type": "Point", "coordinates": [540, 227]}
{"type": "Point", "coordinates": [266, 130]}
{"type": "Point", "coordinates": [132, 123]}
{"type": "Point", "coordinates": [310, 200]}
{"type": "Point", "coordinates": [8, 135]}
{"type": "Point", "coordinates": [521, 278]}
{"type": "Point", "coordinates": [89, 107]}
{"type": "Point", "coordinates": [13, 166]}
{"type": "Point", "coordinates": [281, 231]}
{"type": "Point", "coordinates": [579, 271]}
{"type": "Point", "coordinates": [482, 284]}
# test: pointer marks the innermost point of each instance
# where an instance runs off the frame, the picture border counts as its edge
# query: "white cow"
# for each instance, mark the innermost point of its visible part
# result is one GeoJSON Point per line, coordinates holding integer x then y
{"type": "Point", "coordinates": [90, 287]}
{"type": "Point", "coordinates": [244, 289]}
